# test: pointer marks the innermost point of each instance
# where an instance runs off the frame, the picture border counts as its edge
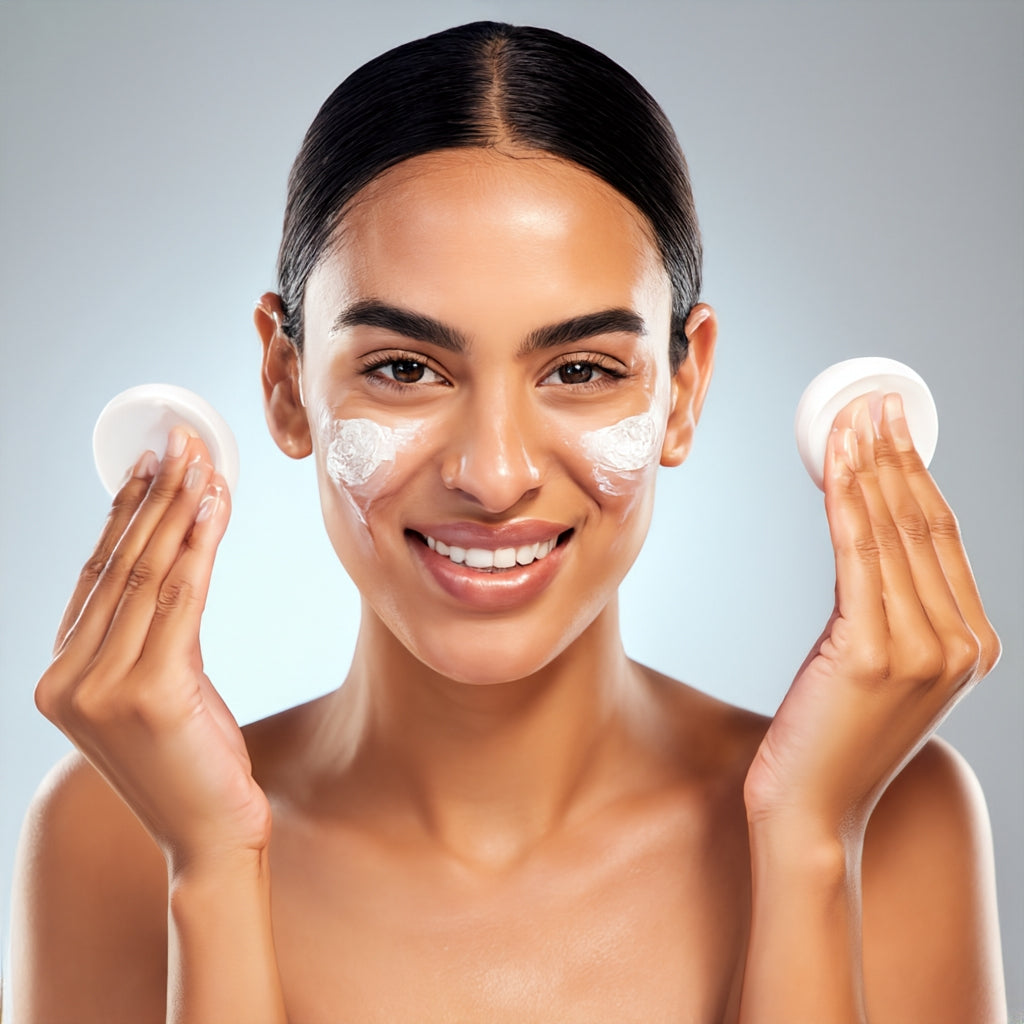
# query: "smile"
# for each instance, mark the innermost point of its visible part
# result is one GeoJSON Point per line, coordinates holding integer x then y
{"type": "Point", "coordinates": [492, 560]}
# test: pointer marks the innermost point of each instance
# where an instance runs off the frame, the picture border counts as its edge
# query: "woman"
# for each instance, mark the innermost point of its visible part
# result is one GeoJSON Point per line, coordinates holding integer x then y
{"type": "Point", "coordinates": [489, 335]}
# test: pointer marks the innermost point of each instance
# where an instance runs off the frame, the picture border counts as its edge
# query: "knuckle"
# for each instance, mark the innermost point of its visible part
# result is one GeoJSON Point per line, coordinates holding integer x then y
{"type": "Point", "coordinates": [888, 538]}
{"type": "Point", "coordinates": [175, 595]}
{"type": "Point", "coordinates": [119, 566]}
{"type": "Point", "coordinates": [162, 491]}
{"type": "Point", "coordinates": [913, 527]}
{"type": "Point", "coordinates": [944, 526]}
{"type": "Point", "coordinates": [924, 663]}
{"type": "Point", "coordinates": [139, 577]}
{"type": "Point", "coordinates": [93, 569]}
{"type": "Point", "coordinates": [147, 707]}
{"type": "Point", "coordinates": [963, 657]}
{"type": "Point", "coordinates": [865, 547]}
{"type": "Point", "coordinates": [874, 664]}
{"type": "Point", "coordinates": [47, 696]}
{"type": "Point", "coordinates": [87, 703]}
{"type": "Point", "coordinates": [125, 502]}
{"type": "Point", "coordinates": [100, 704]}
{"type": "Point", "coordinates": [887, 456]}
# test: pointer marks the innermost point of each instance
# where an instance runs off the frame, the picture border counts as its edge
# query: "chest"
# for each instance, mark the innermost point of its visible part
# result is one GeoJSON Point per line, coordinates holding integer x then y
{"type": "Point", "coordinates": [647, 930]}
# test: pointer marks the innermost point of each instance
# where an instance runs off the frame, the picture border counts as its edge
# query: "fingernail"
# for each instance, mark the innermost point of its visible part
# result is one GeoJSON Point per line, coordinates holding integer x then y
{"type": "Point", "coordinates": [851, 448]}
{"type": "Point", "coordinates": [176, 441]}
{"type": "Point", "coordinates": [863, 424]}
{"type": "Point", "coordinates": [209, 503]}
{"type": "Point", "coordinates": [146, 467]}
{"type": "Point", "coordinates": [194, 473]}
{"type": "Point", "coordinates": [875, 404]}
{"type": "Point", "coordinates": [897, 420]}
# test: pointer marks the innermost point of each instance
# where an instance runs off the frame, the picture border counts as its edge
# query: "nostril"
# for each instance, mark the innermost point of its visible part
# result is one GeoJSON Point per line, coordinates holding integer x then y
{"type": "Point", "coordinates": [489, 461]}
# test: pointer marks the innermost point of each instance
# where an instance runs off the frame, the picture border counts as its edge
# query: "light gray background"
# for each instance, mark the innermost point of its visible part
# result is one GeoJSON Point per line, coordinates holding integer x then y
{"type": "Point", "coordinates": [858, 172]}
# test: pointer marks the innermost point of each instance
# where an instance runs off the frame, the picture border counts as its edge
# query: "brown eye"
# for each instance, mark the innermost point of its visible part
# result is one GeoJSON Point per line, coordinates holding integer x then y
{"type": "Point", "coordinates": [407, 371]}
{"type": "Point", "coordinates": [401, 371]}
{"type": "Point", "coordinates": [576, 373]}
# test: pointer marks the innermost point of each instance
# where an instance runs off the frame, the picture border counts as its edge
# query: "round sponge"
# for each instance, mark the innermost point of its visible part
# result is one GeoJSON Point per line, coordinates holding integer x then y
{"type": "Point", "coordinates": [840, 384]}
{"type": "Point", "coordinates": [141, 418]}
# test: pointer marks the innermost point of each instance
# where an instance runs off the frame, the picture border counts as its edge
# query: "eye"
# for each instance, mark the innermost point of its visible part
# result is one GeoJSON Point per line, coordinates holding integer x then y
{"type": "Point", "coordinates": [578, 371]}
{"type": "Point", "coordinates": [406, 371]}
{"type": "Point", "coordinates": [398, 370]}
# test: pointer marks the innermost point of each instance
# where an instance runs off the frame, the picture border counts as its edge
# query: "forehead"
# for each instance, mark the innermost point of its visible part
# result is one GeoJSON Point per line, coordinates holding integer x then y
{"type": "Point", "coordinates": [468, 233]}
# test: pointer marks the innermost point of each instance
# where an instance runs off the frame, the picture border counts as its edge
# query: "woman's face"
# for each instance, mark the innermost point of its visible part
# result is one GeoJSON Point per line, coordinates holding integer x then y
{"type": "Point", "coordinates": [486, 379]}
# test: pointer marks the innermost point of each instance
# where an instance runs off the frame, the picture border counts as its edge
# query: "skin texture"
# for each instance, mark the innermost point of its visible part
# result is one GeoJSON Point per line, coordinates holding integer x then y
{"type": "Point", "coordinates": [499, 816]}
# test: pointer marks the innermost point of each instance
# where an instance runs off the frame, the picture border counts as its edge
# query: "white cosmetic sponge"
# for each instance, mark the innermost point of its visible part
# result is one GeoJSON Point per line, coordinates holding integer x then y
{"type": "Point", "coordinates": [840, 384]}
{"type": "Point", "coordinates": [141, 418]}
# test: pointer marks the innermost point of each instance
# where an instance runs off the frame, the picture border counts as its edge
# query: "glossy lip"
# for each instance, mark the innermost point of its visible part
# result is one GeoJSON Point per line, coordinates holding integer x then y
{"type": "Point", "coordinates": [490, 591]}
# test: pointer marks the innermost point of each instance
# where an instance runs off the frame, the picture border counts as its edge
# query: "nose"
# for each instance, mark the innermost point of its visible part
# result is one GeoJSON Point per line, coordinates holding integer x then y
{"type": "Point", "coordinates": [493, 454]}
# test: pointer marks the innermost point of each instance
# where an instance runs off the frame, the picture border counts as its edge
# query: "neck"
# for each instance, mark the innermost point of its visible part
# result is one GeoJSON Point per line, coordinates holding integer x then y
{"type": "Point", "coordinates": [488, 770]}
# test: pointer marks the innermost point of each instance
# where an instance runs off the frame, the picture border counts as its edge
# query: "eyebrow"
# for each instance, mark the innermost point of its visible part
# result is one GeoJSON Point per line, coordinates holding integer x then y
{"type": "Point", "coordinates": [374, 313]}
{"type": "Point", "coordinates": [417, 326]}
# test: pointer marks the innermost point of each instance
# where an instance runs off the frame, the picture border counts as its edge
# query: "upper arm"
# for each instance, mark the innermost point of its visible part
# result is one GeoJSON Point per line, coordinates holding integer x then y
{"type": "Point", "coordinates": [931, 934]}
{"type": "Point", "coordinates": [89, 927]}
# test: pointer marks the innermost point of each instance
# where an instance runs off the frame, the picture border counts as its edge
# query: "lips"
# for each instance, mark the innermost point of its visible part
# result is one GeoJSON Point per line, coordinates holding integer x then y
{"type": "Point", "coordinates": [491, 567]}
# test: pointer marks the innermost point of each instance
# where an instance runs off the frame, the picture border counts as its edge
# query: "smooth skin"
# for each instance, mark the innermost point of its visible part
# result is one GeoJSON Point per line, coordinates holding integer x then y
{"type": "Point", "coordinates": [499, 816]}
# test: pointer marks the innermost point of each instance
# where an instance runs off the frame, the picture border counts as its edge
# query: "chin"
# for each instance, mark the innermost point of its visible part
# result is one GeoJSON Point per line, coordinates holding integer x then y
{"type": "Point", "coordinates": [489, 653]}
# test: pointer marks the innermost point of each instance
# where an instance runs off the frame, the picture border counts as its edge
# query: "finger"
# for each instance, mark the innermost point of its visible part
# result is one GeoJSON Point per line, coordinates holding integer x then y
{"type": "Point", "coordinates": [125, 504]}
{"type": "Point", "coordinates": [132, 620]}
{"type": "Point", "coordinates": [84, 639]}
{"type": "Point", "coordinates": [944, 535]}
{"type": "Point", "coordinates": [174, 630]}
{"type": "Point", "coordinates": [858, 568]}
{"type": "Point", "coordinates": [903, 607]}
{"type": "Point", "coordinates": [892, 468]}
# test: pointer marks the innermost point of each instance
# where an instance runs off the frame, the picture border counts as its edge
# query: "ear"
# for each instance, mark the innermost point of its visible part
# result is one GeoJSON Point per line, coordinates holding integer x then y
{"type": "Point", "coordinates": [690, 384]}
{"type": "Point", "coordinates": [282, 390]}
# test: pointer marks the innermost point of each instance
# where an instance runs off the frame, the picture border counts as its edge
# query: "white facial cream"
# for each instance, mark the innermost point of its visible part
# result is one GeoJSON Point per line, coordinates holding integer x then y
{"type": "Point", "coordinates": [356, 449]}
{"type": "Point", "coordinates": [623, 447]}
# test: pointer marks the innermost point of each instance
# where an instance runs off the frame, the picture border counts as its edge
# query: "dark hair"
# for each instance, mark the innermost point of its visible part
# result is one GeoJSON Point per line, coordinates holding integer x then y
{"type": "Point", "coordinates": [478, 85]}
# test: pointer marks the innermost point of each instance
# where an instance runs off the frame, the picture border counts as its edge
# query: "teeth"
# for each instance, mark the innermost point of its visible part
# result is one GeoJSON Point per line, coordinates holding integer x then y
{"type": "Point", "coordinates": [504, 558]}
{"type": "Point", "coordinates": [479, 558]}
{"type": "Point", "coordinates": [485, 558]}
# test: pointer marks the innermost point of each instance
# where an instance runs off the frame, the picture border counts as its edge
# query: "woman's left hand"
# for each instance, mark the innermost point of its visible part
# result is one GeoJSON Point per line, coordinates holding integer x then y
{"type": "Point", "coordinates": [907, 638]}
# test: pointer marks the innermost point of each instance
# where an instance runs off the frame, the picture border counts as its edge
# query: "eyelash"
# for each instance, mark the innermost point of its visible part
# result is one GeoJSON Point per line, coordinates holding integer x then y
{"type": "Point", "coordinates": [371, 370]}
{"type": "Point", "coordinates": [607, 372]}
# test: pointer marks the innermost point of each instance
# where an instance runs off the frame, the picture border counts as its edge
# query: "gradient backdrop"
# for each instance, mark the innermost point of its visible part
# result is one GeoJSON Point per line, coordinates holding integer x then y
{"type": "Point", "coordinates": [858, 170]}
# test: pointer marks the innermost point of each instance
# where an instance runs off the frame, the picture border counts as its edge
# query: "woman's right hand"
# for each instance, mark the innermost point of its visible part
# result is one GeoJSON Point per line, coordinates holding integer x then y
{"type": "Point", "coordinates": [126, 683]}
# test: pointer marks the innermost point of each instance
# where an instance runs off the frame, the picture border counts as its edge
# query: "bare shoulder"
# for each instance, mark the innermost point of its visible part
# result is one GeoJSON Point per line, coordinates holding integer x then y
{"type": "Point", "coordinates": [931, 937]}
{"type": "Point", "coordinates": [89, 922]}
{"type": "Point", "coordinates": [719, 737]}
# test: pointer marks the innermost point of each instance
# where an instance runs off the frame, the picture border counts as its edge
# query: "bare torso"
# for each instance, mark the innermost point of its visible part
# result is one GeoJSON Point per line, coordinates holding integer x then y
{"type": "Point", "coordinates": [635, 909]}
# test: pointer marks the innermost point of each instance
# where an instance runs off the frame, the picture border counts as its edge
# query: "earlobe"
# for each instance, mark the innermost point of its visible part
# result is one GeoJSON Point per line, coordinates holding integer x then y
{"type": "Point", "coordinates": [282, 390]}
{"type": "Point", "coordinates": [690, 384]}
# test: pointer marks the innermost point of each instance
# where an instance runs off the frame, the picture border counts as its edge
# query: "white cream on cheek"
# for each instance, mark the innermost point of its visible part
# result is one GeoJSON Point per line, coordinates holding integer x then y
{"type": "Point", "coordinates": [622, 448]}
{"type": "Point", "coordinates": [356, 450]}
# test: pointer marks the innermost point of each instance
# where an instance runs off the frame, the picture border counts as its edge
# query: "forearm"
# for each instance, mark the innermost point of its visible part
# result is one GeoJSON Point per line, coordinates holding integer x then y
{"type": "Point", "coordinates": [221, 961]}
{"type": "Point", "coordinates": [804, 955]}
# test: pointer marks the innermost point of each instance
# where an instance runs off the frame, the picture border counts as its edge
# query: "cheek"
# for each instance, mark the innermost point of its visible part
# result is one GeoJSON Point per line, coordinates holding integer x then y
{"type": "Point", "coordinates": [620, 454]}
{"type": "Point", "coordinates": [365, 460]}
{"type": "Point", "coordinates": [615, 460]}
